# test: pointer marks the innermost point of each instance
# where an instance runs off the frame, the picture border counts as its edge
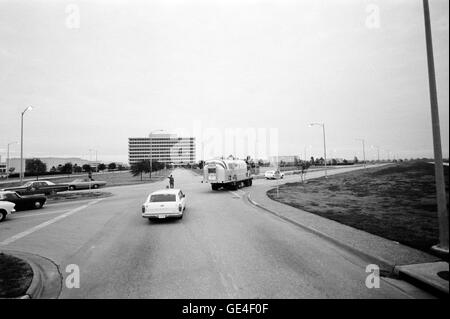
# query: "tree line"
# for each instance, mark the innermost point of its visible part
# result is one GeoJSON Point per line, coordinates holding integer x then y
{"type": "Point", "coordinates": [36, 167]}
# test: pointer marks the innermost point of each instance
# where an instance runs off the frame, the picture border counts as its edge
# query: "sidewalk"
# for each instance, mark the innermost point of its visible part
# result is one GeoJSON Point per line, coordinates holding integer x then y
{"type": "Point", "coordinates": [387, 254]}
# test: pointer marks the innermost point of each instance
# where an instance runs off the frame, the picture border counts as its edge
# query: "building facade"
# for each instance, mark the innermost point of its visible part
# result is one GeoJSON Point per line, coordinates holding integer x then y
{"type": "Point", "coordinates": [165, 148]}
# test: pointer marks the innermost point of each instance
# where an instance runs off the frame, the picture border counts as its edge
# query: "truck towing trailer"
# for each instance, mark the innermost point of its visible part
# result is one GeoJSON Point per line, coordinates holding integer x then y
{"type": "Point", "coordinates": [227, 173]}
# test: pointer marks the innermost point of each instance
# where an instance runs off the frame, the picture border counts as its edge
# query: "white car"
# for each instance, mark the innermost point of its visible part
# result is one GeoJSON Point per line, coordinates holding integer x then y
{"type": "Point", "coordinates": [164, 203]}
{"type": "Point", "coordinates": [273, 174]}
{"type": "Point", "coordinates": [6, 208]}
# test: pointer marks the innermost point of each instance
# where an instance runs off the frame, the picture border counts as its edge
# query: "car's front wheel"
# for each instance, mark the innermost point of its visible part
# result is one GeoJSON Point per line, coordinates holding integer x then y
{"type": "Point", "coordinates": [2, 215]}
{"type": "Point", "coordinates": [95, 186]}
{"type": "Point", "coordinates": [72, 188]}
{"type": "Point", "coordinates": [37, 204]}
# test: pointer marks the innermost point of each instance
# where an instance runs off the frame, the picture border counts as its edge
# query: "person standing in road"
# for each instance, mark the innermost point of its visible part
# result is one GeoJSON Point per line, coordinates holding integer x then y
{"type": "Point", "coordinates": [171, 181]}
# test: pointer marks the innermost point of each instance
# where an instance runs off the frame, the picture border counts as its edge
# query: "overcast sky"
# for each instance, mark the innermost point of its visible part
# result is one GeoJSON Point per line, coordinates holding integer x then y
{"type": "Point", "coordinates": [130, 67]}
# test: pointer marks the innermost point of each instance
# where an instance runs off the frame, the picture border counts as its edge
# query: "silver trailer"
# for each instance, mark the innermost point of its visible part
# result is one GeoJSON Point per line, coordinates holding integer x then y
{"type": "Point", "coordinates": [229, 174]}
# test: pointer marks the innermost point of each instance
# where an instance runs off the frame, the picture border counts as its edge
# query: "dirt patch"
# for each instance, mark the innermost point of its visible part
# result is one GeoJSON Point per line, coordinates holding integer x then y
{"type": "Point", "coordinates": [396, 202]}
{"type": "Point", "coordinates": [15, 276]}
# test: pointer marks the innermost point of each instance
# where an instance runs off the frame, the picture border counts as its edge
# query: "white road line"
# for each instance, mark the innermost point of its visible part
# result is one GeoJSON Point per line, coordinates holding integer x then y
{"type": "Point", "coordinates": [45, 224]}
{"type": "Point", "coordinates": [235, 194]}
{"type": "Point", "coordinates": [38, 214]}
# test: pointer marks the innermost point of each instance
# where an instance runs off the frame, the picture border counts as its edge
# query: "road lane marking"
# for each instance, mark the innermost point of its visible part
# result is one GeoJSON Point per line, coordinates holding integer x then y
{"type": "Point", "coordinates": [45, 224]}
{"type": "Point", "coordinates": [38, 214]}
{"type": "Point", "coordinates": [235, 194]}
{"type": "Point", "coordinates": [68, 202]}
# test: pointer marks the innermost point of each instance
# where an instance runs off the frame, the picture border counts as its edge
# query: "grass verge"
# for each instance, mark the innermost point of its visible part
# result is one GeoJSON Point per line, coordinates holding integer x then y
{"type": "Point", "coordinates": [68, 196]}
{"type": "Point", "coordinates": [397, 202]}
{"type": "Point", "coordinates": [118, 178]}
{"type": "Point", "coordinates": [15, 276]}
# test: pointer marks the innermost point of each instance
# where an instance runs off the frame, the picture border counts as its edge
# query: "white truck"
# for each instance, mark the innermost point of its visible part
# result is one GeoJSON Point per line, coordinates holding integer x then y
{"type": "Point", "coordinates": [227, 173]}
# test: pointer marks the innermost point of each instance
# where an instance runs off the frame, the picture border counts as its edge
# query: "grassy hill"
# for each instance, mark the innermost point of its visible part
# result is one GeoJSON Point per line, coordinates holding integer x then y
{"type": "Point", "coordinates": [397, 202]}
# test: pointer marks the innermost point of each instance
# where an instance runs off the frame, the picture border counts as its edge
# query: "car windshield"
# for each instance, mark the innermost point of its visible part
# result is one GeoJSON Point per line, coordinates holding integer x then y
{"type": "Point", "coordinates": [9, 196]}
{"type": "Point", "coordinates": [28, 184]}
{"type": "Point", "coordinates": [78, 180]}
{"type": "Point", "coordinates": [162, 198]}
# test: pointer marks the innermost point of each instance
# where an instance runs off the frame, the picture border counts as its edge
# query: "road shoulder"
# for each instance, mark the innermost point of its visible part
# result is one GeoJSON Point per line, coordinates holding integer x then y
{"type": "Point", "coordinates": [390, 256]}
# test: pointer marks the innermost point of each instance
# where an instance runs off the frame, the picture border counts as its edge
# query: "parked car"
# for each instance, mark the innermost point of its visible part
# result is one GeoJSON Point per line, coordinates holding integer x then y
{"type": "Point", "coordinates": [85, 183]}
{"type": "Point", "coordinates": [38, 187]}
{"type": "Point", "coordinates": [164, 203]}
{"type": "Point", "coordinates": [6, 208]}
{"type": "Point", "coordinates": [23, 202]}
{"type": "Point", "coordinates": [273, 174]}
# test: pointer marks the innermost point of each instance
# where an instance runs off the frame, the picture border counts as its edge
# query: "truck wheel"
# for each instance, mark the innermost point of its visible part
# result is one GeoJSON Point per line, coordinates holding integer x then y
{"type": "Point", "coordinates": [250, 182]}
{"type": "Point", "coordinates": [214, 187]}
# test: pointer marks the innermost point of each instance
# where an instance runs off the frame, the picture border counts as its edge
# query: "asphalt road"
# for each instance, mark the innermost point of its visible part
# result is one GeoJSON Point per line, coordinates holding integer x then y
{"type": "Point", "coordinates": [222, 248]}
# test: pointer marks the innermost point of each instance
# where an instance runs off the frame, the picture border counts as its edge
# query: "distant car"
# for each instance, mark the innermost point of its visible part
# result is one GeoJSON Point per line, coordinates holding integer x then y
{"type": "Point", "coordinates": [23, 202]}
{"type": "Point", "coordinates": [85, 183]}
{"type": "Point", "coordinates": [6, 208]}
{"type": "Point", "coordinates": [38, 187]}
{"type": "Point", "coordinates": [164, 203]}
{"type": "Point", "coordinates": [273, 174]}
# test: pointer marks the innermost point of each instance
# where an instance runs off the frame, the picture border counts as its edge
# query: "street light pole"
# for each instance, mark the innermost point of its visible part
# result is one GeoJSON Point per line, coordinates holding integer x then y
{"type": "Point", "coordinates": [21, 142]}
{"type": "Point", "coordinates": [324, 145]}
{"type": "Point", "coordinates": [151, 150]}
{"type": "Point", "coordinates": [364, 151]}
{"type": "Point", "coordinates": [442, 247]}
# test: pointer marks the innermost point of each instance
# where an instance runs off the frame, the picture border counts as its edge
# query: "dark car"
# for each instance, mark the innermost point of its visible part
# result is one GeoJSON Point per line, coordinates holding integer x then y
{"type": "Point", "coordinates": [38, 187]}
{"type": "Point", "coordinates": [23, 202]}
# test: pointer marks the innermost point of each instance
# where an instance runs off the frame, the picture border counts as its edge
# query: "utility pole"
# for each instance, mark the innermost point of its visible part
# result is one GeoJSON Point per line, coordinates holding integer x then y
{"type": "Point", "coordinates": [442, 247]}
{"type": "Point", "coordinates": [364, 151]}
{"type": "Point", "coordinates": [324, 144]}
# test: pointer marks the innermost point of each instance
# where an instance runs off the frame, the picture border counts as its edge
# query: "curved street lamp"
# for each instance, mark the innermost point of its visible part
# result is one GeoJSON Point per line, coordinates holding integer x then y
{"type": "Point", "coordinates": [21, 142]}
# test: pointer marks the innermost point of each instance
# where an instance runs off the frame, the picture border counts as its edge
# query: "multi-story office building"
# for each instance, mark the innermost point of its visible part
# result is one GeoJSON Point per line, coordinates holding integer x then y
{"type": "Point", "coordinates": [165, 148]}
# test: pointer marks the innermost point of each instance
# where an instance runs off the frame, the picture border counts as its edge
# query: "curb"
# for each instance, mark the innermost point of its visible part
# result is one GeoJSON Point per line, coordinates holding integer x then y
{"type": "Point", "coordinates": [36, 287]}
{"type": "Point", "coordinates": [37, 284]}
{"type": "Point", "coordinates": [392, 269]}
{"type": "Point", "coordinates": [431, 287]}
{"type": "Point", "coordinates": [46, 281]}
{"type": "Point", "coordinates": [387, 266]}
